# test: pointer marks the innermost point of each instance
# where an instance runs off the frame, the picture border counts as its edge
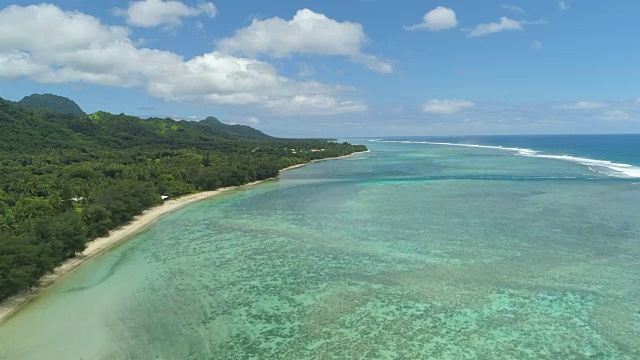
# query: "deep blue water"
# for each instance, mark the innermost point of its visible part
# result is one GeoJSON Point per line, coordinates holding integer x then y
{"type": "Point", "coordinates": [616, 155]}
{"type": "Point", "coordinates": [619, 148]}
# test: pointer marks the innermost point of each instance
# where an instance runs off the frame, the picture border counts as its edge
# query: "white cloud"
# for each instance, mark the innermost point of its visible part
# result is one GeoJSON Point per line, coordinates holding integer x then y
{"type": "Point", "coordinates": [513, 8]}
{"type": "Point", "coordinates": [537, 45]}
{"type": "Point", "coordinates": [638, 101]}
{"type": "Point", "coordinates": [152, 13]}
{"type": "Point", "coordinates": [617, 115]}
{"type": "Point", "coordinates": [446, 107]}
{"type": "Point", "coordinates": [16, 63]}
{"type": "Point", "coordinates": [440, 18]}
{"type": "Point", "coordinates": [72, 47]}
{"type": "Point", "coordinates": [505, 24]}
{"type": "Point", "coordinates": [307, 33]}
{"type": "Point", "coordinates": [315, 105]}
{"type": "Point", "coordinates": [583, 105]}
{"type": "Point", "coordinates": [563, 5]}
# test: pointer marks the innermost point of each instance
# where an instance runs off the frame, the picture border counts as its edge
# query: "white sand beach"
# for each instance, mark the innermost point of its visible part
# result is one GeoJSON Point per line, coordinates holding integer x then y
{"type": "Point", "coordinates": [97, 246]}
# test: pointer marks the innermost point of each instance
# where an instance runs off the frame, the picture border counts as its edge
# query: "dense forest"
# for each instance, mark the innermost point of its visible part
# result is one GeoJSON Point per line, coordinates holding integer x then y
{"type": "Point", "coordinates": [67, 178]}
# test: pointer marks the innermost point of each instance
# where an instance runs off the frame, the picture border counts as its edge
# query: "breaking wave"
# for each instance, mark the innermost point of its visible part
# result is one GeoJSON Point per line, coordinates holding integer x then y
{"type": "Point", "coordinates": [606, 167]}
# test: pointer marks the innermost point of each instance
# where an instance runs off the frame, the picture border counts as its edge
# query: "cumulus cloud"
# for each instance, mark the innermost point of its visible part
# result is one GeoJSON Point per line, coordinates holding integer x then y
{"type": "Point", "coordinates": [583, 105]}
{"type": "Point", "coordinates": [446, 107]}
{"type": "Point", "coordinates": [169, 14]}
{"type": "Point", "coordinates": [307, 32]}
{"type": "Point", "coordinates": [505, 24]}
{"type": "Point", "coordinates": [514, 8]}
{"type": "Point", "coordinates": [72, 47]}
{"type": "Point", "coordinates": [15, 63]}
{"type": "Point", "coordinates": [440, 18]}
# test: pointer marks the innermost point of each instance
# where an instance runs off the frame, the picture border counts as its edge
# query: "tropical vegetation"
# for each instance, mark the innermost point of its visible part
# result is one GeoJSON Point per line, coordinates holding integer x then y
{"type": "Point", "coordinates": [67, 178]}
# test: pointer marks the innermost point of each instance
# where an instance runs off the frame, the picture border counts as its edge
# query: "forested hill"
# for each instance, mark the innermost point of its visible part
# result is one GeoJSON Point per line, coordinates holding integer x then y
{"type": "Point", "coordinates": [66, 179]}
{"type": "Point", "coordinates": [51, 102]}
{"type": "Point", "coordinates": [237, 130]}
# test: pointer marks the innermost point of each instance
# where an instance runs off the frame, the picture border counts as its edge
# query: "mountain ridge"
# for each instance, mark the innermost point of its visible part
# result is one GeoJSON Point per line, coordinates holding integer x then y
{"type": "Point", "coordinates": [65, 115]}
{"type": "Point", "coordinates": [235, 129]}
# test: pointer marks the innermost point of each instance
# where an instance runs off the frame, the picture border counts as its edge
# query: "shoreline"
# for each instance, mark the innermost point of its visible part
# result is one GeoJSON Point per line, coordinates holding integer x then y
{"type": "Point", "coordinates": [12, 305]}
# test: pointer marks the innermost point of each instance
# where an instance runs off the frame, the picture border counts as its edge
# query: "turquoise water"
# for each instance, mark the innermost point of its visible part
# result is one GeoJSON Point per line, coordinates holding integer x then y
{"type": "Point", "coordinates": [409, 251]}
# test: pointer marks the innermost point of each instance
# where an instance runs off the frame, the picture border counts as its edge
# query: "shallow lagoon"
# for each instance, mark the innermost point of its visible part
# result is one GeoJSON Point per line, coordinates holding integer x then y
{"type": "Point", "coordinates": [410, 251]}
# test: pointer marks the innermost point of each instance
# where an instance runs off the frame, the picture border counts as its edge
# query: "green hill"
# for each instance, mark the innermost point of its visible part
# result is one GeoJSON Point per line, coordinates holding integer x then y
{"type": "Point", "coordinates": [234, 130]}
{"type": "Point", "coordinates": [51, 102]}
{"type": "Point", "coordinates": [26, 130]}
{"type": "Point", "coordinates": [66, 179]}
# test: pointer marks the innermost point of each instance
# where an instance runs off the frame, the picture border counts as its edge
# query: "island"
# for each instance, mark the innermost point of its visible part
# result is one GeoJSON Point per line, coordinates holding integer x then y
{"type": "Point", "coordinates": [68, 178]}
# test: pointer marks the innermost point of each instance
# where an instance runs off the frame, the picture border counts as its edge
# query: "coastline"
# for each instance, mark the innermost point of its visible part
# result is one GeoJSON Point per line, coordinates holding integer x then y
{"type": "Point", "coordinates": [12, 305]}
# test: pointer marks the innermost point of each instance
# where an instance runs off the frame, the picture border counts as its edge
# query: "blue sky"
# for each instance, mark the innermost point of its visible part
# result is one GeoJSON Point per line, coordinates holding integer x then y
{"type": "Point", "coordinates": [329, 68]}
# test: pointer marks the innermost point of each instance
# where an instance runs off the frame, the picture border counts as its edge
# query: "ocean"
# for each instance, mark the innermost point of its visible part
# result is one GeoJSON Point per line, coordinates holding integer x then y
{"type": "Point", "coordinates": [617, 155]}
{"type": "Point", "coordinates": [502, 247]}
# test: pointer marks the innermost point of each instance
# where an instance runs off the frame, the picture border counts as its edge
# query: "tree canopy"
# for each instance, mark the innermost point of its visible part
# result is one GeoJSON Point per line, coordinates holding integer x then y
{"type": "Point", "coordinates": [66, 179]}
